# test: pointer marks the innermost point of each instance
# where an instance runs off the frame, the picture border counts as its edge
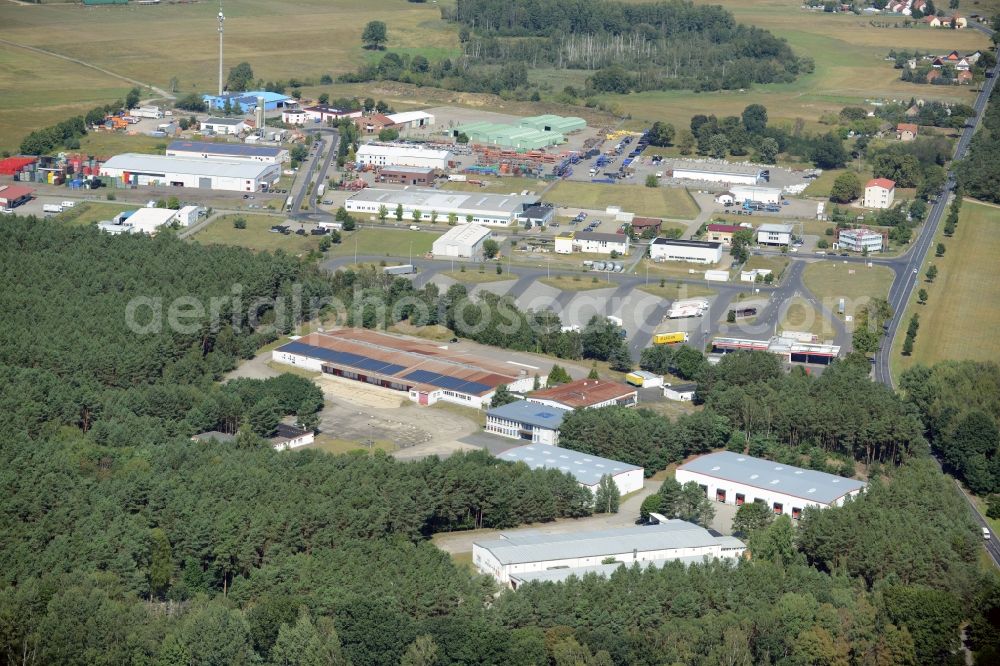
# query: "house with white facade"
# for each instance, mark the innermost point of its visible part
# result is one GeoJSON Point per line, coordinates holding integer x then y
{"type": "Point", "coordinates": [697, 252]}
{"type": "Point", "coordinates": [879, 193]}
{"type": "Point", "coordinates": [774, 234]}
{"type": "Point", "coordinates": [592, 242]}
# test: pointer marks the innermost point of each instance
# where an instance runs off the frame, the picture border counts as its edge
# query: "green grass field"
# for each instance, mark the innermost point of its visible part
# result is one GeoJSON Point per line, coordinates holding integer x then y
{"type": "Point", "coordinates": [677, 290]}
{"type": "Point", "coordinates": [962, 313]}
{"type": "Point", "coordinates": [820, 187]}
{"type": "Point", "coordinates": [257, 235]}
{"type": "Point", "coordinates": [800, 315]}
{"type": "Point", "coordinates": [105, 144]}
{"type": "Point", "coordinates": [401, 243]}
{"type": "Point", "coordinates": [479, 277]}
{"type": "Point", "coordinates": [829, 281]}
{"type": "Point", "coordinates": [638, 199]}
{"type": "Point", "coordinates": [90, 212]}
{"type": "Point", "coordinates": [575, 282]}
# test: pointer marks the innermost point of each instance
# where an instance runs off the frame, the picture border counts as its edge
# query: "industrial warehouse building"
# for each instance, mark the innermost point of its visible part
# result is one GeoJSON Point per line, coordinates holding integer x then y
{"type": "Point", "coordinates": [227, 151]}
{"type": "Point", "coordinates": [527, 420]}
{"type": "Point", "coordinates": [411, 119]}
{"type": "Point", "coordinates": [141, 221]}
{"type": "Point", "coordinates": [764, 195]}
{"type": "Point", "coordinates": [592, 242]}
{"type": "Point", "coordinates": [411, 156]}
{"type": "Point", "coordinates": [789, 347]}
{"type": "Point", "coordinates": [462, 242]}
{"type": "Point", "coordinates": [242, 102]}
{"type": "Point", "coordinates": [585, 468]}
{"type": "Point", "coordinates": [698, 252]}
{"type": "Point", "coordinates": [159, 170]}
{"type": "Point", "coordinates": [488, 209]}
{"type": "Point", "coordinates": [586, 394]}
{"type": "Point", "coordinates": [862, 240]}
{"type": "Point", "coordinates": [734, 478]}
{"type": "Point", "coordinates": [426, 372]}
{"type": "Point", "coordinates": [526, 555]}
{"type": "Point", "coordinates": [419, 176]}
{"type": "Point", "coordinates": [224, 126]}
{"type": "Point", "coordinates": [12, 196]}
{"type": "Point", "coordinates": [531, 133]}
{"type": "Point", "coordinates": [719, 172]}
{"type": "Point", "coordinates": [774, 234]}
{"type": "Point", "coordinates": [322, 113]}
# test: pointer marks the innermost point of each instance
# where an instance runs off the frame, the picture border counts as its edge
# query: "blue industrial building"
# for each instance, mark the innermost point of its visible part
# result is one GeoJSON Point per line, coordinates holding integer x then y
{"type": "Point", "coordinates": [245, 102]}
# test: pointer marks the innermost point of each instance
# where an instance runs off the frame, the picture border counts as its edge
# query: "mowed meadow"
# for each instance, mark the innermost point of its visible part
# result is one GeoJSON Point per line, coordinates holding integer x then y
{"type": "Point", "coordinates": [307, 38]}
{"type": "Point", "coordinates": [154, 44]}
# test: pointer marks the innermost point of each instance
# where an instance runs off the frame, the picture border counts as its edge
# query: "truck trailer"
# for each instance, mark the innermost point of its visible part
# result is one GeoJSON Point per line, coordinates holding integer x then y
{"type": "Point", "coordinates": [52, 208]}
{"type": "Point", "coordinates": [404, 269]}
{"type": "Point", "coordinates": [670, 338]}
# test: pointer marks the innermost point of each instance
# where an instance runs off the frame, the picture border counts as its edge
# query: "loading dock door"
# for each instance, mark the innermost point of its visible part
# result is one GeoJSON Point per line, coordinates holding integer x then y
{"type": "Point", "coordinates": [205, 183]}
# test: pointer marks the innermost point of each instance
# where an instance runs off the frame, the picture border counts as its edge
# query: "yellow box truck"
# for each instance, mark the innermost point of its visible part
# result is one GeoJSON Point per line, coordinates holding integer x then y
{"type": "Point", "coordinates": [670, 338]}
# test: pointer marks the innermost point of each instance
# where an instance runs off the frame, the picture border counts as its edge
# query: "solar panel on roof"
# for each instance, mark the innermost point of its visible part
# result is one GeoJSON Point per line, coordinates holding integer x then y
{"type": "Point", "coordinates": [446, 382]}
{"type": "Point", "coordinates": [343, 358]}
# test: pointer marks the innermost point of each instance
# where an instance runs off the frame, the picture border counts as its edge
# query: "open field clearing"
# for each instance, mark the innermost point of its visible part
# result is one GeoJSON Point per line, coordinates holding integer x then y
{"type": "Point", "coordinates": [257, 235]}
{"type": "Point", "coordinates": [830, 281]}
{"type": "Point", "coordinates": [848, 52]}
{"type": "Point", "coordinates": [90, 212]}
{"type": "Point", "coordinates": [800, 315]}
{"type": "Point", "coordinates": [821, 186]}
{"type": "Point", "coordinates": [962, 314]}
{"type": "Point", "coordinates": [638, 199]}
{"type": "Point", "coordinates": [394, 243]}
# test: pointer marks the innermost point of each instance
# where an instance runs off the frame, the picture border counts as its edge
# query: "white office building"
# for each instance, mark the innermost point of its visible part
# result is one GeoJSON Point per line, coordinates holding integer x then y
{"type": "Point", "coordinates": [414, 156]}
{"type": "Point", "coordinates": [860, 240]}
{"type": "Point", "coordinates": [526, 420]}
{"type": "Point", "coordinates": [488, 209]}
{"type": "Point", "coordinates": [698, 252]}
{"type": "Point", "coordinates": [587, 469]}
{"type": "Point", "coordinates": [719, 172]}
{"type": "Point", "coordinates": [188, 215]}
{"type": "Point", "coordinates": [162, 171]}
{"type": "Point", "coordinates": [224, 125]}
{"type": "Point", "coordinates": [774, 234]}
{"type": "Point", "coordinates": [734, 478]}
{"type": "Point", "coordinates": [764, 195]}
{"type": "Point", "coordinates": [592, 242]}
{"type": "Point", "coordinates": [462, 242]}
{"type": "Point", "coordinates": [525, 555]}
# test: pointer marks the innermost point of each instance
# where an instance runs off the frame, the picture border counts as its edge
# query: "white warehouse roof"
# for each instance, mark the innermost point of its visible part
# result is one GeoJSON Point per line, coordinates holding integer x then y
{"type": "Point", "coordinates": [718, 168]}
{"type": "Point", "coordinates": [402, 151]}
{"type": "Point", "coordinates": [444, 200]}
{"type": "Point", "coordinates": [585, 468]}
{"type": "Point", "coordinates": [766, 474]}
{"type": "Point", "coordinates": [775, 228]}
{"type": "Point", "coordinates": [148, 220]}
{"type": "Point", "coordinates": [409, 116]}
{"type": "Point", "coordinates": [465, 234]}
{"type": "Point", "coordinates": [158, 164]}
{"type": "Point", "coordinates": [533, 546]}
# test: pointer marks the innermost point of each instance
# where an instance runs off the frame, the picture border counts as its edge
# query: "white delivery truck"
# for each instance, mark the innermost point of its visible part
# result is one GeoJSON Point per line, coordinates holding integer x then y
{"type": "Point", "coordinates": [51, 208]}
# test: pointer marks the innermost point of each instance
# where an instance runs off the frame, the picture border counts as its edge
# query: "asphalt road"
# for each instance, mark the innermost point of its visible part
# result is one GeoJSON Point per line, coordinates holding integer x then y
{"type": "Point", "coordinates": [902, 289]}
{"type": "Point", "coordinates": [318, 162]}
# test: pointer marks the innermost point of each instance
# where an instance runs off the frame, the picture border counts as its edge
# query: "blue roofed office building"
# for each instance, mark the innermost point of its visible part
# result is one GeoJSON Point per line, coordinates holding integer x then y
{"type": "Point", "coordinates": [209, 150]}
{"type": "Point", "coordinates": [244, 102]}
{"type": "Point", "coordinates": [526, 420]}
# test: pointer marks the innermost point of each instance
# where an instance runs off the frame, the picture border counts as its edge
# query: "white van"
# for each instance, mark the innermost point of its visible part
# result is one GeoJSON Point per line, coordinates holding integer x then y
{"type": "Point", "coordinates": [986, 533]}
{"type": "Point", "coordinates": [68, 204]}
{"type": "Point", "coordinates": [414, 227]}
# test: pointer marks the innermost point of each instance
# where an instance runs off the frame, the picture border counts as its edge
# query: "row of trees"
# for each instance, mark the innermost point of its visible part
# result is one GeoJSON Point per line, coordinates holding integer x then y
{"type": "Point", "coordinates": [979, 172]}
{"type": "Point", "coordinates": [67, 133]}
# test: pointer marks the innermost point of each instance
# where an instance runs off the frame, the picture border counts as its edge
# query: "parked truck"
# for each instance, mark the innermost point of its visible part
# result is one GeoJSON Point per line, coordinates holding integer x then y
{"type": "Point", "coordinates": [403, 269]}
{"type": "Point", "coordinates": [52, 208]}
{"type": "Point", "coordinates": [147, 112]}
{"type": "Point", "coordinates": [670, 338]}
{"type": "Point", "coordinates": [321, 189]}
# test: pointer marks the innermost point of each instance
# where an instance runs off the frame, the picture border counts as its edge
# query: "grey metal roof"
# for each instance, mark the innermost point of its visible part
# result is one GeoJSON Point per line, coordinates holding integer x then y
{"type": "Point", "coordinates": [159, 164]}
{"type": "Point", "coordinates": [443, 200]}
{"type": "Point", "coordinates": [530, 413]}
{"type": "Point", "coordinates": [585, 468]}
{"type": "Point", "coordinates": [534, 546]}
{"type": "Point", "coordinates": [766, 474]}
{"type": "Point", "coordinates": [775, 227]}
{"type": "Point", "coordinates": [681, 388]}
{"type": "Point", "coordinates": [602, 570]}
{"type": "Point", "coordinates": [224, 121]}
{"type": "Point", "coordinates": [225, 148]}
{"type": "Point", "coordinates": [718, 167]}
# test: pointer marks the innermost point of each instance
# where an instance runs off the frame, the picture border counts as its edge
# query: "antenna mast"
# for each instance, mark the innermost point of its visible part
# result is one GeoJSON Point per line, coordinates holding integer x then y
{"type": "Point", "coordinates": [221, 21]}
